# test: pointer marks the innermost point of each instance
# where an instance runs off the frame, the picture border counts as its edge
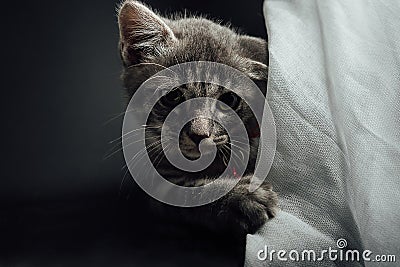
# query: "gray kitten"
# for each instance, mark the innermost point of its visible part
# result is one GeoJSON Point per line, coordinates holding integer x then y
{"type": "Point", "coordinates": [148, 41]}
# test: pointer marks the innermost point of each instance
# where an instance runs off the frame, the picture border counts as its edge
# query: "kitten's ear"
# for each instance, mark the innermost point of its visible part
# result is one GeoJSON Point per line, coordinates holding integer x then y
{"type": "Point", "coordinates": [257, 70]}
{"type": "Point", "coordinates": [143, 34]}
{"type": "Point", "coordinates": [255, 52]}
{"type": "Point", "coordinates": [254, 48]}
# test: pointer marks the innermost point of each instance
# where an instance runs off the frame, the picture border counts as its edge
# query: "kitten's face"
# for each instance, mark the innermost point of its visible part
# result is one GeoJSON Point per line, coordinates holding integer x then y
{"type": "Point", "coordinates": [150, 43]}
{"type": "Point", "coordinates": [202, 128]}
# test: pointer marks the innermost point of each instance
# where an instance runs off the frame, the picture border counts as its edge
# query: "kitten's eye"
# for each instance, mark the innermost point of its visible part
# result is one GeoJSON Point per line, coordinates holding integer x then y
{"type": "Point", "coordinates": [172, 98]}
{"type": "Point", "coordinates": [230, 99]}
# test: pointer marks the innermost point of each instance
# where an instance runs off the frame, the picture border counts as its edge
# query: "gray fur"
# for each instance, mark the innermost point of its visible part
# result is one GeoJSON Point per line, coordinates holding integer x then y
{"type": "Point", "coordinates": [149, 43]}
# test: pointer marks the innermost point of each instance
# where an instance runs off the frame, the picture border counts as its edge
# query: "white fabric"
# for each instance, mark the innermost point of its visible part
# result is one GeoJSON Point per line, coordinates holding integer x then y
{"type": "Point", "coordinates": [334, 88]}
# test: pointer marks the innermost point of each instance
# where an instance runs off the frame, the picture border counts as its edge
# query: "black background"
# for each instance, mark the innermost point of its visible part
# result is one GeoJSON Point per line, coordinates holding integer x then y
{"type": "Point", "coordinates": [61, 201]}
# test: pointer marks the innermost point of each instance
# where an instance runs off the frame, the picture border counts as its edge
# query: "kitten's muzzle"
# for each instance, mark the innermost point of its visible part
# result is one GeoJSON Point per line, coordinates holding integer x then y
{"type": "Point", "coordinates": [220, 140]}
{"type": "Point", "coordinates": [197, 138]}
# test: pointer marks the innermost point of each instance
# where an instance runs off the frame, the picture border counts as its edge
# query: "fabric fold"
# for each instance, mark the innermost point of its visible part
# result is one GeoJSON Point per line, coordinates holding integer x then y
{"type": "Point", "coordinates": [334, 89]}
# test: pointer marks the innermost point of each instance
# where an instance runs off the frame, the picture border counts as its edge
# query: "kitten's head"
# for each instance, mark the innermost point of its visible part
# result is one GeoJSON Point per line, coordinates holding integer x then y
{"type": "Point", "coordinates": [149, 43]}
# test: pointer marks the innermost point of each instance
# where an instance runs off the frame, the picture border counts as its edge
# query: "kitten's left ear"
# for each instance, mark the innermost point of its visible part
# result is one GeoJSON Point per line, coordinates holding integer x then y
{"type": "Point", "coordinates": [254, 48]}
{"type": "Point", "coordinates": [143, 34]}
{"type": "Point", "coordinates": [255, 52]}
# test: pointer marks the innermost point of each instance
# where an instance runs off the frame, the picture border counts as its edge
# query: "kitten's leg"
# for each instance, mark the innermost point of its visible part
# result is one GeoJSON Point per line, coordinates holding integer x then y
{"type": "Point", "coordinates": [239, 210]}
{"type": "Point", "coordinates": [247, 211]}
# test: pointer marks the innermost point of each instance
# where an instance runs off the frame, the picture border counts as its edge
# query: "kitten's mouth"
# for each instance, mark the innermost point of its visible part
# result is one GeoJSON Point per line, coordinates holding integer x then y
{"type": "Point", "coordinates": [191, 154]}
{"type": "Point", "coordinates": [191, 150]}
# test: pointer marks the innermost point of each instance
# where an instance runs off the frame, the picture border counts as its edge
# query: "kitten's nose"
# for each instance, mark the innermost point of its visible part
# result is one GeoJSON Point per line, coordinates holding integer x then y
{"type": "Point", "coordinates": [199, 129]}
{"type": "Point", "coordinates": [196, 138]}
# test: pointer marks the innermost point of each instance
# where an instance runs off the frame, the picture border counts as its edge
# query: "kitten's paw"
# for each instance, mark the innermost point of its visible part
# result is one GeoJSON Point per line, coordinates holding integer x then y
{"type": "Point", "coordinates": [248, 211]}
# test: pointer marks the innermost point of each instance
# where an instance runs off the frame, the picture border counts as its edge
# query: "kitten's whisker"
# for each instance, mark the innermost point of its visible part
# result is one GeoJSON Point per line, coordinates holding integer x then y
{"type": "Point", "coordinates": [166, 149]}
{"type": "Point", "coordinates": [150, 153]}
{"type": "Point", "coordinates": [126, 164]}
{"type": "Point", "coordinates": [130, 137]}
{"type": "Point", "coordinates": [155, 145]}
{"type": "Point", "coordinates": [242, 143]}
{"type": "Point", "coordinates": [233, 158]}
{"type": "Point", "coordinates": [155, 165]}
{"type": "Point", "coordinates": [240, 149]}
{"type": "Point", "coordinates": [143, 154]}
{"type": "Point", "coordinates": [129, 144]}
{"type": "Point", "coordinates": [116, 116]}
{"type": "Point", "coordinates": [119, 144]}
{"type": "Point", "coordinates": [135, 130]}
{"type": "Point", "coordinates": [224, 156]}
{"type": "Point", "coordinates": [142, 151]}
{"type": "Point", "coordinates": [163, 84]}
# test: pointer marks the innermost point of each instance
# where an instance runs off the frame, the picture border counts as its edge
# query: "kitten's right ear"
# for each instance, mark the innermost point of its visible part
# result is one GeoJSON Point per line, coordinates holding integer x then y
{"type": "Point", "coordinates": [143, 34]}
